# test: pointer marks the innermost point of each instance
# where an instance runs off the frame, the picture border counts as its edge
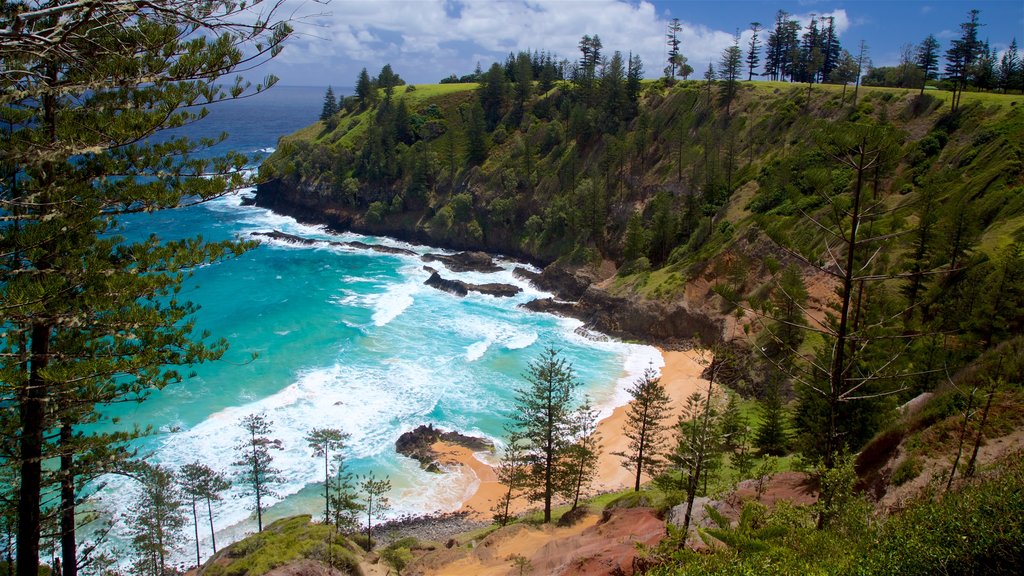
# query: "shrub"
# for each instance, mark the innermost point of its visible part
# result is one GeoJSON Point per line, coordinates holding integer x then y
{"type": "Point", "coordinates": [908, 469]}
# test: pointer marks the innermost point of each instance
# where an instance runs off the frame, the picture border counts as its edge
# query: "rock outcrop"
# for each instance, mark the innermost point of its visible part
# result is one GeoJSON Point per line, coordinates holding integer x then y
{"type": "Point", "coordinates": [418, 444]}
{"type": "Point", "coordinates": [293, 239]}
{"type": "Point", "coordinates": [669, 323]}
{"type": "Point", "coordinates": [460, 288]}
{"type": "Point", "coordinates": [465, 261]}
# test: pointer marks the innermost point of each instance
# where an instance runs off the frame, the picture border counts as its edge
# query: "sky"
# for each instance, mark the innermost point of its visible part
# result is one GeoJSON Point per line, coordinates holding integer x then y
{"type": "Point", "coordinates": [426, 40]}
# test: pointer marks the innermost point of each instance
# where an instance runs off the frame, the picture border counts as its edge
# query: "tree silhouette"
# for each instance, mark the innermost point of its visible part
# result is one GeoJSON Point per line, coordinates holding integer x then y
{"type": "Point", "coordinates": [255, 461]}
{"type": "Point", "coordinates": [645, 426]}
{"type": "Point", "coordinates": [323, 442]}
{"type": "Point", "coordinates": [199, 481]}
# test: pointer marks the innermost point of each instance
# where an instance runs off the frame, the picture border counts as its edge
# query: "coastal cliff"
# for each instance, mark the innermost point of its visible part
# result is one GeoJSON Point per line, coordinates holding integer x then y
{"type": "Point", "coordinates": [663, 227]}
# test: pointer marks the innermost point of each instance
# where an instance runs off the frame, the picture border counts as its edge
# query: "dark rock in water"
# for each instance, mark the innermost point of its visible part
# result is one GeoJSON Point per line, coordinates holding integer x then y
{"type": "Point", "coordinates": [278, 235]}
{"type": "Point", "coordinates": [380, 248]}
{"type": "Point", "coordinates": [524, 274]}
{"type": "Point", "coordinates": [417, 443]}
{"type": "Point", "coordinates": [248, 201]}
{"type": "Point", "coordinates": [284, 236]}
{"type": "Point", "coordinates": [453, 286]}
{"type": "Point", "coordinates": [550, 306]}
{"type": "Point", "coordinates": [465, 261]}
{"type": "Point", "coordinates": [496, 289]}
{"type": "Point", "coordinates": [460, 288]}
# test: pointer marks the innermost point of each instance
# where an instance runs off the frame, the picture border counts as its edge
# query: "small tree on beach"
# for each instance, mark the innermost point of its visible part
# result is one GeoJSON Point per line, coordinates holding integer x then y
{"type": "Point", "coordinates": [258, 473]}
{"type": "Point", "coordinates": [199, 481]}
{"type": "Point", "coordinates": [324, 442]}
{"type": "Point", "coordinates": [375, 502]}
{"type": "Point", "coordinates": [511, 473]}
{"type": "Point", "coordinates": [579, 459]}
{"type": "Point", "coordinates": [543, 415]}
{"type": "Point", "coordinates": [156, 520]}
{"type": "Point", "coordinates": [645, 426]}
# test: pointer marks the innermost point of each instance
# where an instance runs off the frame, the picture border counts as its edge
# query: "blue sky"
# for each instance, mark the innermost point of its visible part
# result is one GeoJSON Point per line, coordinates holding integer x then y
{"type": "Point", "coordinates": [426, 40]}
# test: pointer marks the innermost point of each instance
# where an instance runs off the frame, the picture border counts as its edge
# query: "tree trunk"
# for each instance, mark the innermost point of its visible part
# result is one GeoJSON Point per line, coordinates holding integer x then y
{"type": "Point", "coordinates": [68, 543]}
{"type": "Point", "coordinates": [981, 429]}
{"type": "Point", "coordinates": [327, 489]}
{"type": "Point", "coordinates": [32, 404]}
{"type": "Point", "coordinates": [963, 434]}
{"type": "Point", "coordinates": [213, 536]}
{"type": "Point", "coordinates": [195, 522]}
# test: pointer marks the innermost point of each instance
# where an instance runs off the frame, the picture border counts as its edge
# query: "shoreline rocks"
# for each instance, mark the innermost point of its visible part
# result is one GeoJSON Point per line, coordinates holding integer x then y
{"type": "Point", "coordinates": [465, 261]}
{"type": "Point", "coordinates": [293, 239]}
{"type": "Point", "coordinates": [460, 288]}
{"type": "Point", "coordinates": [672, 324]}
{"type": "Point", "coordinates": [417, 444]}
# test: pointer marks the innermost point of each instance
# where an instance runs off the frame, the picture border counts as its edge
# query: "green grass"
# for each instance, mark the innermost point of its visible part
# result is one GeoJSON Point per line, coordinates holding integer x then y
{"type": "Point", "coordinates": [426, 91]}
{"type": "Point", "coordinates": [284, 541]}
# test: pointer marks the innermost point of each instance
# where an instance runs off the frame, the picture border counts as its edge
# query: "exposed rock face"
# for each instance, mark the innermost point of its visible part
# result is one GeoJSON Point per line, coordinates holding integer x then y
{"type": "Point", "coordinates": [667, 323]}
{"type": "Point", "coordinates": [465, 261]}
{"type": "Point", "coordinates": [460, 288]}
{"type": "Point", "coordinates": [417, 443]}
{"type": "Point", "coordinates": [607, 547]}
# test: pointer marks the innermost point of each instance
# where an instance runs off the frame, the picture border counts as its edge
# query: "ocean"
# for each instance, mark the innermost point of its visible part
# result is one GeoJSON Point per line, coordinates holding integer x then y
{"type": "Point", "coordinates": [344, 338]}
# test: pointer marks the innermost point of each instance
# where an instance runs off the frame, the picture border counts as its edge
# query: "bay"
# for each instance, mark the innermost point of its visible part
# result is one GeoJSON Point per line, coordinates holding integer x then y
{"type": "Point", "coordinates": [343, 338]}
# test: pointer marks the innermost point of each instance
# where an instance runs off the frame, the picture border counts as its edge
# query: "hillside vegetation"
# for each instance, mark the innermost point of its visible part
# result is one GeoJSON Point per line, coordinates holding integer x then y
{"type": "Point", "coordinates": [841, 252]}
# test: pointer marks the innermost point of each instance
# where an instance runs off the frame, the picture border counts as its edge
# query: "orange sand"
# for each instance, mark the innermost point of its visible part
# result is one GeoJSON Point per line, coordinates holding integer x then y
{"type": "Point", "coordinates": [680, 376]}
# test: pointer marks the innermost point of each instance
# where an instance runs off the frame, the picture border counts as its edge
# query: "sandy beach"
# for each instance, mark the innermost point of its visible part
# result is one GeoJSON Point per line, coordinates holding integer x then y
{"type": "Point", "coordinates": [681, 377]}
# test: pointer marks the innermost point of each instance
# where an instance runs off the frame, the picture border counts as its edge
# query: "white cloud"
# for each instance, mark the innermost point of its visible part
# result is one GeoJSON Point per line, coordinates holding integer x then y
{"type": "Point", "coordinates": [426, 40]}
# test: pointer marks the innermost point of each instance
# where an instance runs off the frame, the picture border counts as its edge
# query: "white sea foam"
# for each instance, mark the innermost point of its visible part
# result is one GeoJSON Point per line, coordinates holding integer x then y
{"type": "Point", "coordinates": [390, 305]}
{"type": "Point", "coordinates": [476, 350]}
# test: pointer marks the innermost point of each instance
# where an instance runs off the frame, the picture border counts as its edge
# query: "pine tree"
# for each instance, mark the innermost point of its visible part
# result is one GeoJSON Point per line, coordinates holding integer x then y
{"type": "Point", "coordinates": [732, 422]}
{"type": "Point", "coordinates": [512, 473]}
{"type": "Point", "coordinates": [88, 317]}
{"type": "Point", "coordinates": [771, 437]}
{"type": "Point", "coordinates": [543, 416]}
{"type": "Point", "coordinates": [729, 72]}
{"type": "Point", "coordinates": [927, 59]}
{"type": "Point", "coordinates": [256, 464]}
{"type": "Point", "coordinates": [476, 136]}
{"type": "Point", "coordinates": [344, 501]}
{"type": "Point", "coordinates": [198, 481]}
{"type": "Point", "coordinates": [324, 442]}
{"type": "Point", "coordinates": [635, 242]}
{"type": "Point", "coordinates": [156, 520]}
{"type": "Point", "coordinates": [364, 88]}
{"type": "Point", "coordinates": [375, 502]}
{"type": "Point", "coordinates": [1009, 67]}
{"type": "Point", "coordinates": [330, 107]}
{"type": "Point", "coordinates": [961, 55]}
{"type": "Point", "coordinates": [674, 28]}
{"type": "Point", "coordinates": [645, 426]}
{"type": "Point", "coordinates": [578, 461]}
{"type": "Point", "coordinates": [753, 50]}
{"type": "Point", "coordinates": [695, 441]}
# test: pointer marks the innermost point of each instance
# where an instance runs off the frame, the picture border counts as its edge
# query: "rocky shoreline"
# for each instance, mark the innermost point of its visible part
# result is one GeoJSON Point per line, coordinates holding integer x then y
{"type": "Point", "coordinates": [671, 324]}
{"type": "Point", "coordinates": [440, 528]}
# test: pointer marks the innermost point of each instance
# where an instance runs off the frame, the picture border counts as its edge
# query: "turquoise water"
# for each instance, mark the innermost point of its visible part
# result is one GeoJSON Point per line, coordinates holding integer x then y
{"type": "Point", "coordinates": [347, 339]}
